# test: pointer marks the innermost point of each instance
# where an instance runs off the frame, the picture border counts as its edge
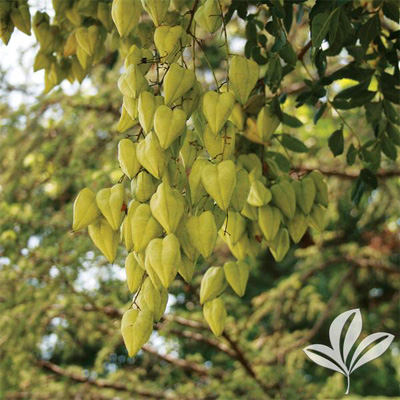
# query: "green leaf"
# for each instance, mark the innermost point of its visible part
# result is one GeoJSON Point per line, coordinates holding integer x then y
{"type": "Point", "coordinates": [369, 178]}
{"type": "Point", "coordinates": [369, 31]}
{"type": "Point", "coordinates": [336, 142]}
{"type": "Point", "coordinates": [391, 10]}
{"type": "Point", "coordinates": [390, 112]}
{"type": "Point", "coordinates": [291, 121]}
{"type": "Point", "coordinates": [388, 148]}
{"type": "Point", "coordinates": [280, 160]}
{"type": "Point", "coordinates": [319, 113]}
{"type": "Point", "coordinates": [293, 144]}
{"type": "Point", "coordinates": [333, 27]}
{"type": "Point", "coordinates": [274, 72]}
{"type": "Point", "coordinates": [320, 26]}
{"type": "Point", "coordinates": [351, 155]}
{"type": "Point", "coordinates": [358, 191]}
{"type": "Point", "coordinates": [288, 54]}
{"type": "Point", "coordinates": [393, 133]}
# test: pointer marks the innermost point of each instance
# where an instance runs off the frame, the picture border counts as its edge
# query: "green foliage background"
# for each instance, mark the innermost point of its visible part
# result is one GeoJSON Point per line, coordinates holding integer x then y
{"type": "Point", "coordinates": [61, 301]}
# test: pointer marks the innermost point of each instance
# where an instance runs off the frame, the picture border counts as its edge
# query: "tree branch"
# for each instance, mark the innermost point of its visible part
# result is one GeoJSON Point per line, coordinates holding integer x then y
{"type": "Point", "coordinates": [100, 383]}
{"type": "Point", "coordinates": [351, 175]}
{"type": "Point", "coordinates": [198, 337]}
{"type": "Point", "coordinates": [181, 363]}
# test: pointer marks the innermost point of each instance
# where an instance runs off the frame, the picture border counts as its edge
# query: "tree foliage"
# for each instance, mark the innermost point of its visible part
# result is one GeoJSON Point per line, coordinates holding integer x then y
{"type": "Point", "coordinates": [329, 75]}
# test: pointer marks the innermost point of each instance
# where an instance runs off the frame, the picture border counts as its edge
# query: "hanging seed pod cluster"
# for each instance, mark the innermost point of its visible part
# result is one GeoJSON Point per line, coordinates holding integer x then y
{"type": "Point", "coordinates": [187, 186]}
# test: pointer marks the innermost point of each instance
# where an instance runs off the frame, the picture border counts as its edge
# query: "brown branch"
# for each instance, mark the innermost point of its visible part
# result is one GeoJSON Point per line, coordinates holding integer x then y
{"type": "Point", "coordinates": [303, 51]}
{"type": "Point", "coordinates": [181, 363]}
{"type": "Point", "coordinates": [244, 362]}
{"type": "Point", "coordinates": [192, 12]}
{"type": "Point", "coordinates": [100, 383]}
{"type": "Point", "coordinates": [184, 321]}
{"type": "Point", "coordinates": [198, 337]}
{"type": "Point", "coordinates": [351, 175]}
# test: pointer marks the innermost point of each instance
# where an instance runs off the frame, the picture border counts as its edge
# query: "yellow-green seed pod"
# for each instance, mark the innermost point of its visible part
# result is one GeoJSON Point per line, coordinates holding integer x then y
{"type": "Point", "coordinates": [280, 245]}
{"type": "Point", "coordinates": [157, 9]}
{"type": "Point", "coordinates": [151, 155]}
{"type": "Point", "coordinates": [217, 107]}
{"type": "Point", "coordinates": [147, 106]}
{"type": "Point", "coordinates": [269, 221]}
{"type": "Point", "coordinates": [251, 163]}
{"type": "Point", "coordinates": [134, 273]}
{"type": "Point", "coordinates": [243, 76]}
{"type": "Point", "coordinates": [163, 256]}
{"type": "Point", "coordinates": [234, 226]}
{"type": "Point", "coordinates": [166, 39]}
{"type": "Point", "coordinates": [104, 15]}
{"type": "Point", "coordinates": [215, 314]}
{"type": "Point", "coordinates": [85, 209]}
{"type": "Point", "coordinates": [186, 245]}
{"type": "Point", "coordinates": [305, 194]}
{"type": "Point", "coordinates": [143, 186]}
{"type": "Point", "coordinates": [167, 205]}
{"type": "Point", "coordinates": [297, 226]}
{"type": "Point", "coordinates": [284, 198]}
{"type": "Point", "coordinates": [131, 106]}
{"type": "Point", "coordinates": [177, 82]}
{"type": "Point", "coordinates": [317, 217]}
{"type": "Point", "coordinates": [190, 149]}
{"type": "Point", "coordinates": [267, 124]}
{"type": "Point", "coordinates": [242, 189]}
{"type": "Point", "coordinates": [125, 14]}
{"type": "Point", "coordinates": [21, 17]}
{"type": "Point", "coordinates": [250, 212]}
{"type": "Point", "coordinates": [208, 16]}
{"type": "Point", "coordinates": [202, 233]}
{"type": "Point", "coordinates": [237, 275]}
{"type": "Point", "coordinates": [125, 121]}
{"type": "Point", "coordinates": [144, 228]}
{"type": "Point", "coordinates": [168, 124]}
{"type": "Point", "coordinates": [132, 82]}
{"type": "Point", "coordinates": [259, 194]}
{"type": "Point", "coordinates": [136, 328]}
{"type": "Point", "coordinates": [237, 116]}
{"type": "Point", "coordinates": [240, 249]}
{"type": "Point", "coordinates": [71, 45]}
{"type": "Point", "coordinates": [219, 182]}
{"type": "Point", "coordinates": [191, 99]}
{"type": "Point", "coordinates": [127, 158]}
{"type": "Point", "coordinates": [150, 298]}
{"type": "Point", "coordinates": [186, 269]}
{"type": "Point", "coordinates": [110, 202]}
{"type": "Point", "coordinates": [221, 146]}
{"type": "Point", "coordinates": [87, 38]}
{"type": "Point", "coordinates": [321, 195]}
{"type": "Point", "coordinates": [140, 57]}
{"type": "Point", "coordinates": [212, 284]}
{"type": "Point", "coordinates": [126, 227]}
{"type": "Point", "coordinates": [84, 59]}
{"type": "Point", "coordinates": [197, 190]}
{"type": "Point", "coordinates": [104, 238]}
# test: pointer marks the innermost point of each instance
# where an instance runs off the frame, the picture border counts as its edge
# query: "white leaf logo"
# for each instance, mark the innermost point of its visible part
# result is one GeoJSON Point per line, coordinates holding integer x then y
{"type": "Point", "coordinates": [336, 357]}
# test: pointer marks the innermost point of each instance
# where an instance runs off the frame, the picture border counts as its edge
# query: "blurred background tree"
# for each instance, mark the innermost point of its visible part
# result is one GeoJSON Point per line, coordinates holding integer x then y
{"type": "Point", "coordinates": [61, 301]}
